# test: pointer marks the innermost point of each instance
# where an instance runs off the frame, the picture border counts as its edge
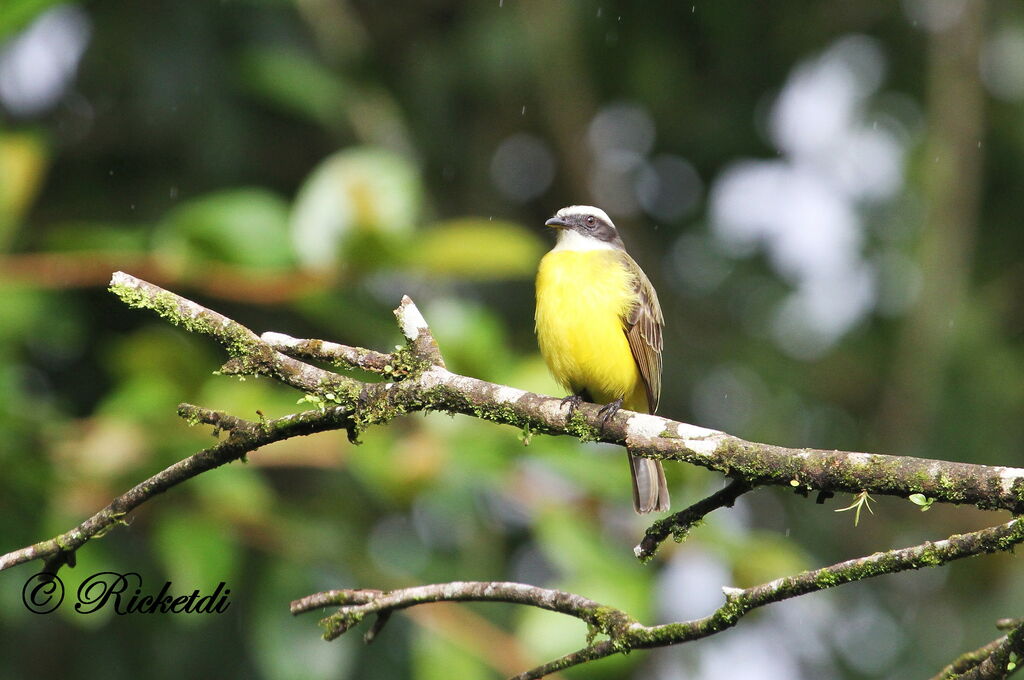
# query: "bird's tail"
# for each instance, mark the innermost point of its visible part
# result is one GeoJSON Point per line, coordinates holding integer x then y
{"type": "Point", "coordinates": [650, 492]}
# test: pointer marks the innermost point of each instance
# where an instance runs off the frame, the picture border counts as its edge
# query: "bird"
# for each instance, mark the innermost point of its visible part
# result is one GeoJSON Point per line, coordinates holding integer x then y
{"type": "Point", "coordinates": [599, 327]}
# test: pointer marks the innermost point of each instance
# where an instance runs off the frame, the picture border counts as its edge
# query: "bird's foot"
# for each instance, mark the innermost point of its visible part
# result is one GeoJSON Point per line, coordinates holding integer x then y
{"type": "Point", "coordinates": [574, 401]}
{"type": "Point", "coordinates": [608, 411]}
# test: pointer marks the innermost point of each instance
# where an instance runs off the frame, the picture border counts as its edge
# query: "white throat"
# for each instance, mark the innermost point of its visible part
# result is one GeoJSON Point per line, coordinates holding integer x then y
{"type": "Point", "coordinates": [570, 239]}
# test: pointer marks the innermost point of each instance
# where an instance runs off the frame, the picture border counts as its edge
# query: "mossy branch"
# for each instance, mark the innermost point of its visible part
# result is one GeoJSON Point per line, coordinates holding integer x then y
{"type": "Point", "coordinates": [998, 659]}
{"type": "Point", "coordinates": [355, 605]}
{"type": "Point", "coordinates": [678, 525]}
{"type": "Point", "coordinates": [624, 634]}
{"type": "Point", "coordinates": [416, 380]}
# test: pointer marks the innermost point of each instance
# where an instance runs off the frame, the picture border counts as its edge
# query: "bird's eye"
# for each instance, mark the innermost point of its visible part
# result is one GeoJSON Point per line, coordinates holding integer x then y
{"type": "Point", "coordinates": [591, 221]}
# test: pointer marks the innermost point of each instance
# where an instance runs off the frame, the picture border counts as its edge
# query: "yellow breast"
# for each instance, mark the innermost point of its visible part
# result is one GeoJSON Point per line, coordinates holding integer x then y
{"type": "Point", "coordinates": [582, 298]}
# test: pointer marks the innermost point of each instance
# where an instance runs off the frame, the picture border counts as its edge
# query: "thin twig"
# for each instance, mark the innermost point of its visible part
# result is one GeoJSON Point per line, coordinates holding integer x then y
{"type": "Point", "coordinates": [219, 419]}
{"type": "Point", "coordinates": [355, 605]}
{"type": "Point", "coordinates": [321, 350]}
{"type": "Point", "coordinates": [243, 440]}
{"type": "Point", "coordinates": [679, 524]}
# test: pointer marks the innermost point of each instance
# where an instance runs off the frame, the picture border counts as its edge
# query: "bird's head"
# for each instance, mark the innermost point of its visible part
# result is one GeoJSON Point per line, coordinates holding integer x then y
{"type": "Point", "coordinates": [584, 227]}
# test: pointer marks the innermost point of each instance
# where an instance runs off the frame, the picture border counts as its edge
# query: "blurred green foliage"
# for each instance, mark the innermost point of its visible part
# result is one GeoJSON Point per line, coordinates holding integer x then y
{"type": "Point", "coordinates": [301, 165]}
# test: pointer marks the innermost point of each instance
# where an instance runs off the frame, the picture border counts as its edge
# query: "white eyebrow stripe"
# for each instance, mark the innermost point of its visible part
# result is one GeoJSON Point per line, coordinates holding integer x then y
{"type": "Point", "coordinates": [584, 210]}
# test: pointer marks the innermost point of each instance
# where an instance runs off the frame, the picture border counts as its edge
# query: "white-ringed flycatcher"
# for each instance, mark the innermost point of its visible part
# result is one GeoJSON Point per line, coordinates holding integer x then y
{"type": "Point", "coordinates": [599, 329]}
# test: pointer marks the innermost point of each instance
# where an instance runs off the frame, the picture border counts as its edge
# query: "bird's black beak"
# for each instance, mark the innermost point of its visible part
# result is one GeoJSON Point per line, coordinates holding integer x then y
{"type": "Point", "coordinates": [556, 222]}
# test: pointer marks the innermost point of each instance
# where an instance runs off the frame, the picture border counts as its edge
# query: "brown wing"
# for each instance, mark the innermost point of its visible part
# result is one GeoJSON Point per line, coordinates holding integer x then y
{"type": "Point", "coordinates": [643, 327]}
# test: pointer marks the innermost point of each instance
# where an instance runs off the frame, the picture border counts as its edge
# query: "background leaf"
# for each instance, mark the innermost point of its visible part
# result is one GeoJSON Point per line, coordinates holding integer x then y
{"type": "Point", "coordinates": [474, 249]}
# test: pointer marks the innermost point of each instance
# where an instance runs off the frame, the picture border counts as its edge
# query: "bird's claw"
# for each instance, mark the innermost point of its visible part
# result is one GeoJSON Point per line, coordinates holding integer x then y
{"type": "Point", "coordinates": [574, 401]}
{"type": "Point", "coordinates": [608, 411]}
